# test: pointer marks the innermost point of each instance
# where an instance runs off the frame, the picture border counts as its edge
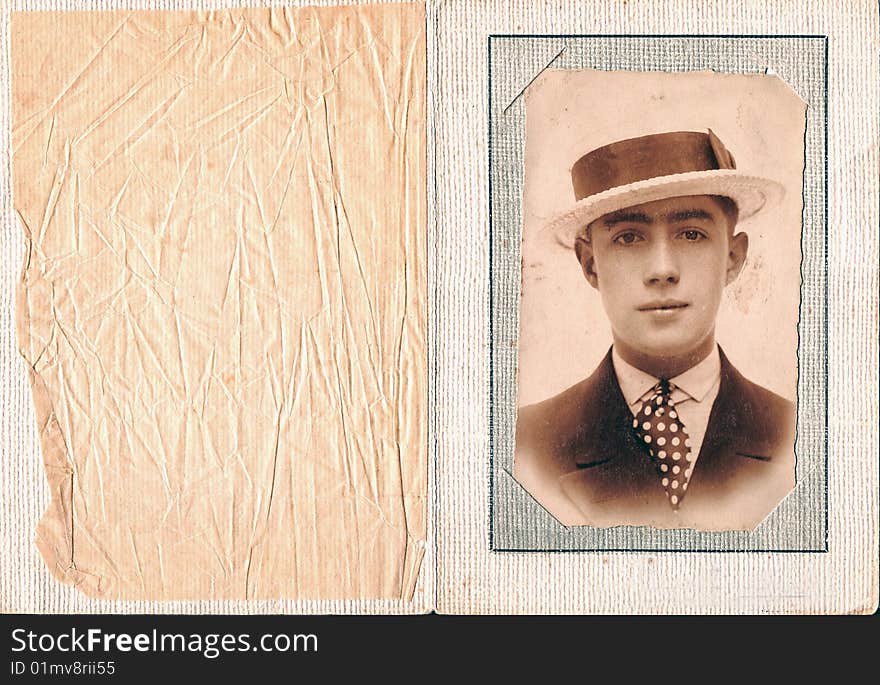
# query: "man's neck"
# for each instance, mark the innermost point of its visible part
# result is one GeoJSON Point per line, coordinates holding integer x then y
{"type": "Point", "coordinates": [665, 367]}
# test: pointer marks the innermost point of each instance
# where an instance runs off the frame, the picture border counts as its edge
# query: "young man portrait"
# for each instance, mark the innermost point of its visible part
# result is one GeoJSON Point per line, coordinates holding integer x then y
{"type": "Point", "coordinates": [665, 432]}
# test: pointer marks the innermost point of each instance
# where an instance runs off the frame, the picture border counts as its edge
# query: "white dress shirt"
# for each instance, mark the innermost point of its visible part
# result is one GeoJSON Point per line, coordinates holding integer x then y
{"type": "Point", "coordinates": [694, 394]}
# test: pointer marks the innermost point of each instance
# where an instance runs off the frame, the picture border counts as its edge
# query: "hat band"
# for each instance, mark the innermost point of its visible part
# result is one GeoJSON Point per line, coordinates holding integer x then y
{"type": "Point", "coordinates": [647, 157]}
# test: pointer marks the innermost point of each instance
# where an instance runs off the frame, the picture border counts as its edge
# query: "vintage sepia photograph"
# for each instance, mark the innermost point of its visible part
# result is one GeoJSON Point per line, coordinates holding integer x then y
{"type": "Point", "coordinates": [661, 254]}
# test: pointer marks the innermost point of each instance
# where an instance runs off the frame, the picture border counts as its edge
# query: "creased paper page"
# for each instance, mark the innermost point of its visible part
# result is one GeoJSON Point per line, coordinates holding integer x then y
{"type": "Point", "coordinates": [223, 300]}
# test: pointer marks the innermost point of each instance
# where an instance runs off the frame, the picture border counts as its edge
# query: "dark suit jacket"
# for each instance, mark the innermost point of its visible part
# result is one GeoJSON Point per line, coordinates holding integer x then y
{"type": "Point", "coordinates": [577, 456]}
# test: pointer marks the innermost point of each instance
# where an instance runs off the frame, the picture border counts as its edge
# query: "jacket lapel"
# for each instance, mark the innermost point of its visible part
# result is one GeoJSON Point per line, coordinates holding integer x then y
{"type": "Point", "coordinates": [607, 455]}
{"type": "Point", "coordinates": [729, 444]}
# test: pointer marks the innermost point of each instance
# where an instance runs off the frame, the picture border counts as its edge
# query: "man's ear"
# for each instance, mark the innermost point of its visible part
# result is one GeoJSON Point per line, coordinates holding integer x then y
{"type": "Point", "coordinates": [736, 258]}
{"type": "Point", "coordinates": [584, 251]}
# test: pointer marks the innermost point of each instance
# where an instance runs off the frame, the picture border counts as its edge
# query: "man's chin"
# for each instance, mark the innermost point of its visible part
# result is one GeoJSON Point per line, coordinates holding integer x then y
{"type": "Point", "coordinates": [665, 349]}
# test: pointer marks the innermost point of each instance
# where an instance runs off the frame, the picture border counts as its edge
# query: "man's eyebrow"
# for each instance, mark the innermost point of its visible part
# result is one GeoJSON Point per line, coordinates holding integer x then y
{"type": "Point", "coordinates": [687, 214]}
{"type": "Point", "coordinates": [626, 218]}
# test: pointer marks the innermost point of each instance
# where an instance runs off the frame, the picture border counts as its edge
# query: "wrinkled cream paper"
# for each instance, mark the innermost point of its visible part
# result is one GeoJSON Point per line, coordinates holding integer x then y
{"type": "Point", "coordinates": [223, 302]}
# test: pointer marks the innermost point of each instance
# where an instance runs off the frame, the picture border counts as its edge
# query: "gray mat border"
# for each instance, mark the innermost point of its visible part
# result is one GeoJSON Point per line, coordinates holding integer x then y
{"type": "Point", "coordinates": [522, 525]}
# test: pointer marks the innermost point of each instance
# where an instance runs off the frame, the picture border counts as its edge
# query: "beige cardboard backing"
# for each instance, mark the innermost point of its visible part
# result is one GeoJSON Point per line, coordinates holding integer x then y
{"type": "Point", "coordinates": [223, 301]}
{"type": "Point", "coordinates": [471, 578]}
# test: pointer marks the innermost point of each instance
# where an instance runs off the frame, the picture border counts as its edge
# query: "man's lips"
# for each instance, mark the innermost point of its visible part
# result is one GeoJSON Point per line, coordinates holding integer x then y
{"type": "Point", "coordinates": [665, 305]}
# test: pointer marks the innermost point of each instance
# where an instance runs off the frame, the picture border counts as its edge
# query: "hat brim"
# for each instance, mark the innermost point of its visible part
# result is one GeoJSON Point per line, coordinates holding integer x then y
{"type": "Point", "coordinates": [752, 194]}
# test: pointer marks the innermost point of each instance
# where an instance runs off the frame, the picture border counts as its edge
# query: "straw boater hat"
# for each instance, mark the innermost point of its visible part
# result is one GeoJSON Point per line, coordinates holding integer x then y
{"type": "Point", "coordinates": [637, 170]}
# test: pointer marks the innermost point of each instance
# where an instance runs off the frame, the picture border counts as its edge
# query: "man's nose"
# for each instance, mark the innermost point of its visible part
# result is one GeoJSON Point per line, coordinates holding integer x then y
{"type": "Point", "coordinates": [662, 267]}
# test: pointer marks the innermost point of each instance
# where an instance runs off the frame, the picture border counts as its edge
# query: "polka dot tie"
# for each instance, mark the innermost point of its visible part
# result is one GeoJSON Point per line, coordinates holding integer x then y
{"type": "Point", "coordinates": [661, 431]}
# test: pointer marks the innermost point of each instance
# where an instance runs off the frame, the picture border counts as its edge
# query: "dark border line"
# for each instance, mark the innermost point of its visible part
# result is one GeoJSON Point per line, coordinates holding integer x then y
{"type": "Point", "coordinates": [492, 548]}
{"type": "Point", "coordinates": [658, 35]}
{"type": "Point", "coordinates": [491, 319]}
{"type": "Point", "coordinates": [827, 520]}
{"type": "Point", "coordinates": [644, 550]}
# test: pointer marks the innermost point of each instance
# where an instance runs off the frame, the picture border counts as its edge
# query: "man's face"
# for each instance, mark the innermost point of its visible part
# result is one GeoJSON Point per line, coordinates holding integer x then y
{"type": "Point", "coordinates": [661, 268]}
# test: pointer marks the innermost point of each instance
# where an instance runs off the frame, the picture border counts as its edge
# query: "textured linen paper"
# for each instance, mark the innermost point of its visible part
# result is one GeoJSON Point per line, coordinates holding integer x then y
{"type": "Point", "coordinates": [223, 300]}
{"type": "Point", "coordinates": [730, 574]}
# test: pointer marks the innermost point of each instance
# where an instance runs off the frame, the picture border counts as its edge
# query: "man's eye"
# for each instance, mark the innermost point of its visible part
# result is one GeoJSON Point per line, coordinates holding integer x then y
{"type": "Point", "coordinates": [627, 238]}
{"type": "Point", "coordinates": [693, 235]}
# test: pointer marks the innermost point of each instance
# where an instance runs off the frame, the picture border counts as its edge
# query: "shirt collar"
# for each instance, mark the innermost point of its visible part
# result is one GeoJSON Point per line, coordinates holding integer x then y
{"type": "Point", "coordinates": [696, 382]}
